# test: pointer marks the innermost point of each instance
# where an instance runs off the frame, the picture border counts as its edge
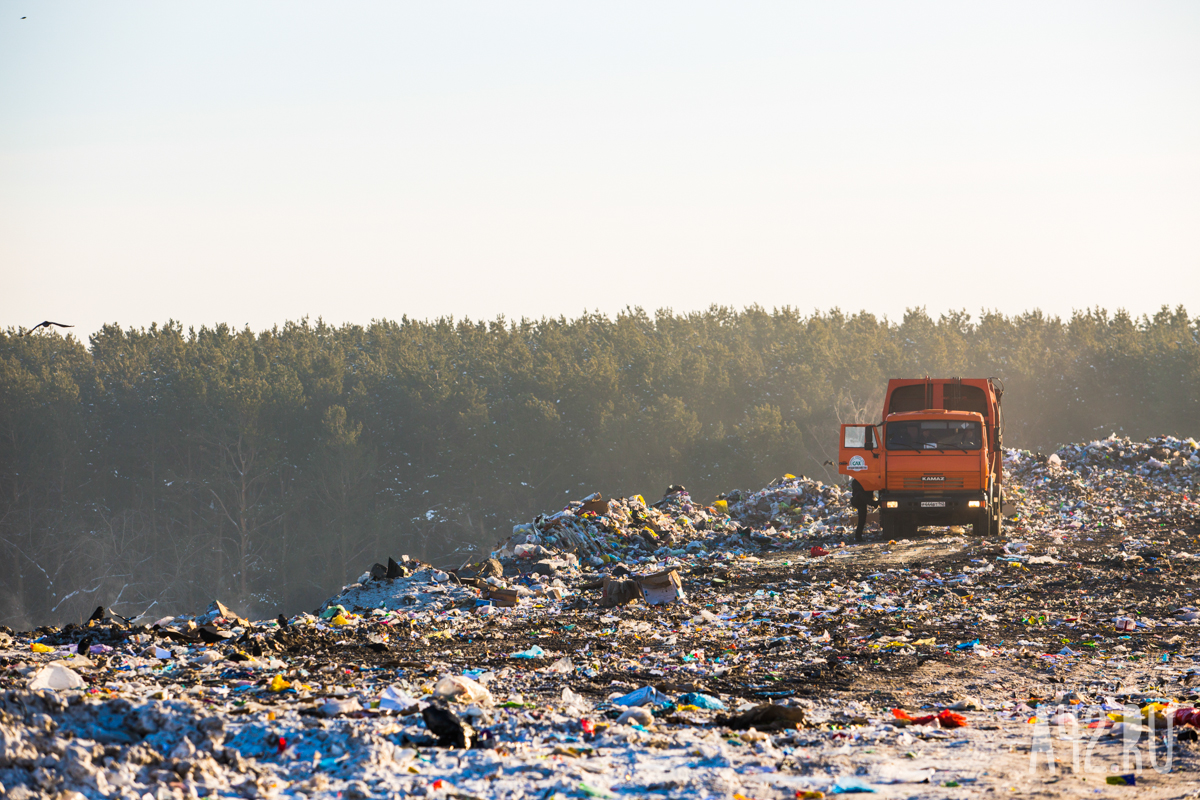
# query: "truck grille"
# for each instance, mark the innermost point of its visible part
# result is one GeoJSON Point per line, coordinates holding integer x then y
{"type": "Point", "coordinates": [947, 481]}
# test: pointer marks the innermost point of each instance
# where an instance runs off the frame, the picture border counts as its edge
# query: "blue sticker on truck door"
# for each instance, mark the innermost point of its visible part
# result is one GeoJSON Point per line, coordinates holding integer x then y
{"type": "Point", "coordinates": [857, 464]}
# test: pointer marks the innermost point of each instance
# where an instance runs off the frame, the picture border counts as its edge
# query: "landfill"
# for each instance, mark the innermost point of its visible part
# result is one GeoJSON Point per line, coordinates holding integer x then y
{"type": "Point", "coordinates": [743, 647]}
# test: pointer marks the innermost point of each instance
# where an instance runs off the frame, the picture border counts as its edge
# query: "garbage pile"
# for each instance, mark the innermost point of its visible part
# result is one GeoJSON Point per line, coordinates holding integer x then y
{"type": "Point", "coordinates": [622, 649]}
{"type": "Point", "coordinates": [414, 586]}
{"type": "Point", "coordinates": [802, 506]}
{"type": "Point", "coordinates": [600, 531]}
{"type": "Point", "coordinates": [1165, 459]}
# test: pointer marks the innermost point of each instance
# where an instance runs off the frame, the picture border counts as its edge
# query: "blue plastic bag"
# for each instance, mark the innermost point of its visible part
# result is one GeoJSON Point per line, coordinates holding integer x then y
{"type": "Point", "coordinates": [533, 652]}
{"type": "Point", "coordinates": [847, 784]}
{"type": "Point", "coordinates": [647, 695]}
{"type": "Point", "coordinates": [700, 701]}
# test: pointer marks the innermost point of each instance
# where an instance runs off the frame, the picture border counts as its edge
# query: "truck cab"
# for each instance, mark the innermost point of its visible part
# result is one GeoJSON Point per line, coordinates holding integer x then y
{"type": "Point", "coordinates": [936, 458]}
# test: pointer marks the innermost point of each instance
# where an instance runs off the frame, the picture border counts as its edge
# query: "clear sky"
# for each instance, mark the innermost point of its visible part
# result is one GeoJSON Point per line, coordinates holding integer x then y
{"type": "Point", "coordinates": [257, 162]}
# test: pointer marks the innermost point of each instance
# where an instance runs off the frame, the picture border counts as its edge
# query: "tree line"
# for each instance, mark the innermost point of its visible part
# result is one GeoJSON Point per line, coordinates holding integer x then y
{"type": "Point", "coordinates": [159, 468]}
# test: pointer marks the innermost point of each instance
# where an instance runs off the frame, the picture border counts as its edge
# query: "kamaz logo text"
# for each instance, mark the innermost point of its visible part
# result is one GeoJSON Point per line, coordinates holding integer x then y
{"type": "Point", "coordinates": [933, 477]}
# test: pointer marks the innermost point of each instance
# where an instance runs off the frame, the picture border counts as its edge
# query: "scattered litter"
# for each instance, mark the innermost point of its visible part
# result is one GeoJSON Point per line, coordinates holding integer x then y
{"type": "Point", "coordinates": [619, 647]}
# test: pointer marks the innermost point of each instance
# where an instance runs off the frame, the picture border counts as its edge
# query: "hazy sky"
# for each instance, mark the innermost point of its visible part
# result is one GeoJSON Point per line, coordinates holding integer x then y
{"type": "Point", "coordinates": [257, 162]}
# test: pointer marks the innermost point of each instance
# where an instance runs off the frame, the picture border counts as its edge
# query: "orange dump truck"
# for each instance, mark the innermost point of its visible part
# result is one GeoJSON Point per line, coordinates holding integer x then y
{"type": "Point", "coordinates": [936, 459]}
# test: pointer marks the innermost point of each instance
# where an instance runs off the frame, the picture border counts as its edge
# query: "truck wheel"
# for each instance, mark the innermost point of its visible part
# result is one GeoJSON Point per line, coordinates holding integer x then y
{"type": "Point", "coordinates": [888, 523]}
{"type": "Point", "coordinates": [997, 523]}
{"type": "Point", "coordinates": [983, 523]}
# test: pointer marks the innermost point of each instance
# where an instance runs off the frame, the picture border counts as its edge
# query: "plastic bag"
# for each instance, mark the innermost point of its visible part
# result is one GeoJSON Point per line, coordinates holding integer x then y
{"type": "Point", "coordinates": [563, 665]}
{"type": "Point", "coordinates": [533, 652]}
{"type": "Point", "coordinates": [647, 695]}
{"type": "Point", "coordinates": [636, 714]}
{"type": "Point", "coordinates": [701, 701]}
{"type": "Point", "coordinates": [462, 690]}
{"type": "Point", "coordinates": [56, 677]}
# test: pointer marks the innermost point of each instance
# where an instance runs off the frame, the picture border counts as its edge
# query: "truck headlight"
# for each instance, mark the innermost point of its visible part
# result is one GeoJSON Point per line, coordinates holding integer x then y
{"type": "Point", "coordinates": [974, 504]}
{"type": "Point", "coordinates": [893, 503]}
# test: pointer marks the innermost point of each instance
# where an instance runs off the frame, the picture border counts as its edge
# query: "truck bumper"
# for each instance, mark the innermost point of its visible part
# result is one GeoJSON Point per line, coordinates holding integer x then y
{"type": "Point", "coordinates": [927, 505]}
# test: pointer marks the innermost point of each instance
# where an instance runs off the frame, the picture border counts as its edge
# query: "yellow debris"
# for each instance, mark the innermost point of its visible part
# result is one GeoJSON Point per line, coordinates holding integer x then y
{"type": "Point", "coordinates": [278, 684]}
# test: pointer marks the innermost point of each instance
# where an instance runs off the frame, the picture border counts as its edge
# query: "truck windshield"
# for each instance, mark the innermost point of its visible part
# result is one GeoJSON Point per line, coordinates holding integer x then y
{"type": "Point", "coordinates": [933, 435]}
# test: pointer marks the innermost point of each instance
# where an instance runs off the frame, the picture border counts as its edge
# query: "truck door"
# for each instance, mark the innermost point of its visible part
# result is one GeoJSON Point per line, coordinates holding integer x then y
{"type": "Point", "coordinates": [860, 455]}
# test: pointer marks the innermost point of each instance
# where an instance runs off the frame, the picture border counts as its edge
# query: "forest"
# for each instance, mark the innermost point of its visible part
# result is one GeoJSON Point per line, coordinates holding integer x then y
{"type": "Point", "coordinates": [157, 469]}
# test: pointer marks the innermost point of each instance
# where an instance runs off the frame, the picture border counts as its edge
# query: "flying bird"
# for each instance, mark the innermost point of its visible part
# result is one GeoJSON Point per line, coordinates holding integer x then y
{"type": "Point", "coordinates": [46, 324]}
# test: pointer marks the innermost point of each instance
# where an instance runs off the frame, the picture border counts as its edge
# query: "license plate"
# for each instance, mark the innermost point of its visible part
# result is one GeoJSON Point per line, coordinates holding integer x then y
{"type": "Point", "coordinates": [933, 504]}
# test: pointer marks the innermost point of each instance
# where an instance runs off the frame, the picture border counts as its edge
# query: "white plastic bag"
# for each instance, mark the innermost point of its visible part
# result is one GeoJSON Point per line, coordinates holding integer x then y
{"type": "Point", "coordinates": [56, 677]}
{"type": "Point", "coordinates": [462, 690]}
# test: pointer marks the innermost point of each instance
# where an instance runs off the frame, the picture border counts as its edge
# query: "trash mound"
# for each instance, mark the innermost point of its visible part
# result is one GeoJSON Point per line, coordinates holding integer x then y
{"type": "Point", "coordinates": [619, 648]}
{"type": "Point", "coordinates": [801, 505]}
{"type": "Point", "coordinates": [424, 587]}
{"type": "Point", "coordinates": [600, 531]}
{"type": "Point", "coordinates": [1164, 459]}
{"type": "Point", "coordinates": [632, 551]}
{"type": "Point", "coordinates": [1096, 488]}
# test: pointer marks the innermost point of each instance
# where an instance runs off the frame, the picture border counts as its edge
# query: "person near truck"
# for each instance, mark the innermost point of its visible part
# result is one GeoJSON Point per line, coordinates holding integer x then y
{"type": "Point", "coordinates": [861, 499]}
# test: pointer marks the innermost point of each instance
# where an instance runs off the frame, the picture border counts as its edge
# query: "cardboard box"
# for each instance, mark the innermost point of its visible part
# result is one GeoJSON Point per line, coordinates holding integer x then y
{"type": "Point", "coordinates": [662, 587]}
{"type": "Point", "coordinates": [505, 598]}
{"type": "Point", "coordinates": [597, 506]}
